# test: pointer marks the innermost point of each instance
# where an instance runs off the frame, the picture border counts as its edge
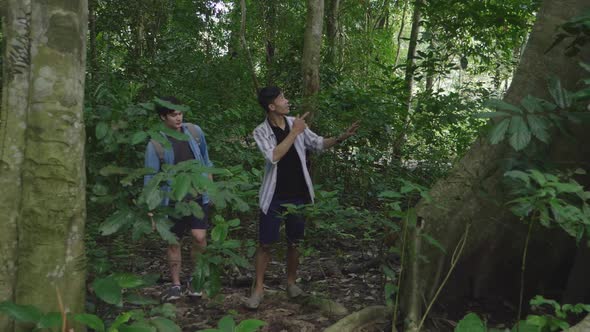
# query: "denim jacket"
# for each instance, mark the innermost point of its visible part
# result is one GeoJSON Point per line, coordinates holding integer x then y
{"type": "Point", "coordinates": [199, 151]}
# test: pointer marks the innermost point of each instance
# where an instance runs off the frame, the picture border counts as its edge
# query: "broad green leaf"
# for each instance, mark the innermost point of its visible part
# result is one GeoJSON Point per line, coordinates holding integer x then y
{"type": "Point", "coordinates": [538, 177]}
{"type": "Point", "coordinates": [531, 104]}
{"type": "Point", "coordinates": [153, 198]}
{"type": "Point", "coordinates": [234, 222]}
{"type": "Point", "coordinates": [163, 227]}
{"type": "Point", "coordinates": [137, 327]}
{"type": "Point", "coordinates": [169, 105]}
{"type": "Point", "coordinates": [180, 186]}
{"type": "Point", "coordinates": [521, 135]}
{"type": "Point", "coordinates": [470, 323]}
{"type": "Point", "coordinates": [21, 313]}
{"type": "Point", "coordinates": [108, 290]}
{"type": "Point", "coordinates": [115, 222]}
{"type": "Point", "coordinates": [92, 321]}
{"type": "Point", "coordinates": [568, 187]}
{"type": "Point", "coordinates": [139, 137]}
{"type": "Point", "coordinates": [502, 105]}
{"type": "Point", "coordinates": [389, 290]}
{"type": "Point", "coordinates": [120, 320]}
{"type": "Point", "coordinates": [249, 325]}
{"type": "Point", "coordinates": [498, 131]}
{"type": "Point", "coordinates": [518, 175]}
{"type": "Point", "coordinates": [128, 280]}
{"type": "Point", "coordinates": [101, 130]}
{"type": "Point", "coordinates": [167, 310]}
{"type": "Point", "coordinates": [51, 319]}
{"type": "Point", "coordinates": [538, 127]}
{"type": "Point", "coordinates": [164, 325]}
{"type": "Point", "coordinates": [219, 233]}
{"type": "Point", "coordinates": [524, 326]}
{"type": "Point", "coordinates": [226, 324]}
{"type": "Point", "coordinates": [558, 93]}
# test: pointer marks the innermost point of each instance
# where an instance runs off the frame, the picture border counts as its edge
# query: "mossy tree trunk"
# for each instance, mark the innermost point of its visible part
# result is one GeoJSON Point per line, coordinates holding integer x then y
{"type": "Point", "coordinates": [42, 171]}
{"type": "Point", "coordinates": [473, 193]}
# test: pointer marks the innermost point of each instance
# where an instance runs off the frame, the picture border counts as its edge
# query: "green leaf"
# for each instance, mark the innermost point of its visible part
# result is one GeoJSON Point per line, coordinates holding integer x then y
{"type": "Point", "coordinates": [21, 313]}
{"type": "Point", "coordinates": [538, 127]}
{"type": "Point", "coordinates": [524, 326]}
{"type": "Point", "coordinates": [531, 104]}
{"type": "Point", "coordinates": [163, 226]}
{"type": "Point", "coordinates": [92, 321]}
{"type": "Point", "coordinates": [521, 135]}
{"type": "Point", "coordinates": [115, 222]}
{"type": "Point", "coordinates": [249, 325]}
{"type": "Point", "coordinates": [234, 223]}
{"type": "Point", "coordinates": [219, 233]}
{"type": "Point", "coordinates": [498, 131]}
{"type": "Point", "coordinates": [51, 319]}
{"type": "Point", "coordinates": [558, 93]}
{"type": "Point", "coordinates": [167, 310]}
{"type": "Point", "coordinates": [502, 105]}
{"type": "Point", "coordinates": [108, 290]}
{"type": "Point", "coordinates": [226, 324]}
{"type": "Point", "coordinates": [169, 105]}
{"type": "Point", "coordinates": [180, 186]}
{"type": "Point", "coordinates": [519, 175]}
{"type": "Point", "coordinates": [128, 280]}
{"type": "Point", "coordinates": [153, 198]}
{"type": "Point", "coordinates": [164, 325]}
{"type": "Point", "coordinates": [120, 320]}
{"type": "Point", "coordinates": [101, 130]}
{"type": "Point", "coordinates": [470, 323]}
{"type": "Point", "coordinates": [139, 137]}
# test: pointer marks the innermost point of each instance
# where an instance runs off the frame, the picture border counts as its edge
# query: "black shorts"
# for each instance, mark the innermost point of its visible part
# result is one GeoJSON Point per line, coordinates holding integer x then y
{"type": "Point", "coordinates": [269, 224]}
{"type": "Point", "coordinates": [183, 225]}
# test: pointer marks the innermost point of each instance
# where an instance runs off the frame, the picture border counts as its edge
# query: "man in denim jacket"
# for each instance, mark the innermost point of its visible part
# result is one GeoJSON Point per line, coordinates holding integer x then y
{"type": "Point", "coordinates": [283, 141]}
{"type": "Point", "coordinates": [182, 150]}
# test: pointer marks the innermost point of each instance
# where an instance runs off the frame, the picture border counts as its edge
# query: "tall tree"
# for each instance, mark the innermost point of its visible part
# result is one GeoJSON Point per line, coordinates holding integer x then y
{"type": "Point", "coordinates": [42, 173]}
{"type": "Point", "coordinates": [474, 194]}
{"type": "Point", "coordinates": [312, 45]}
{"type": "Point", "coordinates": [332, 30]}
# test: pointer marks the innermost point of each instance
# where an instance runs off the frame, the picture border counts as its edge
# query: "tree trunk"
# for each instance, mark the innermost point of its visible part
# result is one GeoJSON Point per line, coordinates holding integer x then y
{"type": "Point", "coordinates": [473, 192]}
{"type": "Point", "coordinates": [270, 18]}
{"type": "Point", "coordinates": [332, 29]}
{"type": "Point", "coordinates": [312, 45]}
{"type": "Point", "coordinates": [409, 78]}
{"type": "Point", "coordinates": [400, 32]}
{"type": "Point", "coordinates": [42, 174]}
{"type": "Point", "coordinates": [245, 46]}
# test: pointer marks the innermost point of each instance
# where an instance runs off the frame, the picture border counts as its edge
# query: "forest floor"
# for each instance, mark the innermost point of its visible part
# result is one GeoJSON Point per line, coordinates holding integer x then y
{"type": "Point", "coordinates": [322, 276]}
{"type": "Point", "coordinates": [349, 276]}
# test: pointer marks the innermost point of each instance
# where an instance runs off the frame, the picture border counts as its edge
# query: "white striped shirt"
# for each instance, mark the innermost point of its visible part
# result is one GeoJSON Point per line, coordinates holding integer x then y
{"type": "Point", "coordinates": [267, 142]}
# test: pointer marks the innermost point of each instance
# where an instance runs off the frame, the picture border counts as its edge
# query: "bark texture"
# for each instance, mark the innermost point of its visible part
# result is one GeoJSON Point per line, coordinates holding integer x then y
{"type": "Point", "coordinates": [312, 45]}
{"type": "Point", "coordinates": [474, 192]}
{"type": "Point", "coordinates": [42, 155]}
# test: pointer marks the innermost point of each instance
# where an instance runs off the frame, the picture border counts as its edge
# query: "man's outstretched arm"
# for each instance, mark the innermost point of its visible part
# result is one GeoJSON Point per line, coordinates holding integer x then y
{"type": "Point", "coordinates": [350, 131]}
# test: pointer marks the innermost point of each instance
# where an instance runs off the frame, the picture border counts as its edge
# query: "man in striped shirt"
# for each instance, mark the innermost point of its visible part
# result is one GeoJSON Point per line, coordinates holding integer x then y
{"type": "Point", "coordinates": [283, 141]}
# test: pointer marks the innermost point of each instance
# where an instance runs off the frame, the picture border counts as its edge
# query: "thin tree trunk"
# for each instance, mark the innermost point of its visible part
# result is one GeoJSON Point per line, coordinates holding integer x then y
{"type": "Point", "coordinates": [42, 202]}
{"type": "Point", "coordinates": [312, 45]}
{"type": "Point", "coordinates": [245, 45]}
{"type": "Point", "coordinates": [409, 78]}
{"type": "Point", "coordinates": [332, 28]}
{"type": "Point", "coordinates": [399, 34]}
{"type": "Point", "coordinates": [270, 15]}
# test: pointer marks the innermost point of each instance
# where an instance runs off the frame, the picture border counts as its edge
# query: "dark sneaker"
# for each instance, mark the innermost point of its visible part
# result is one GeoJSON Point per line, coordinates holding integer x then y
{"type": "Point", "coordinates": [172, 294]}
{"type": "Point", "coordinates": [190, 291]}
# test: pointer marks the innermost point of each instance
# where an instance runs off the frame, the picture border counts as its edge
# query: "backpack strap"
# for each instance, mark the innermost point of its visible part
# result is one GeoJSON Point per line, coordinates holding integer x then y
{"type": "Point", "coordinates": [194, 132]}
{"type": "Point", "coordinates": [159, 150]}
